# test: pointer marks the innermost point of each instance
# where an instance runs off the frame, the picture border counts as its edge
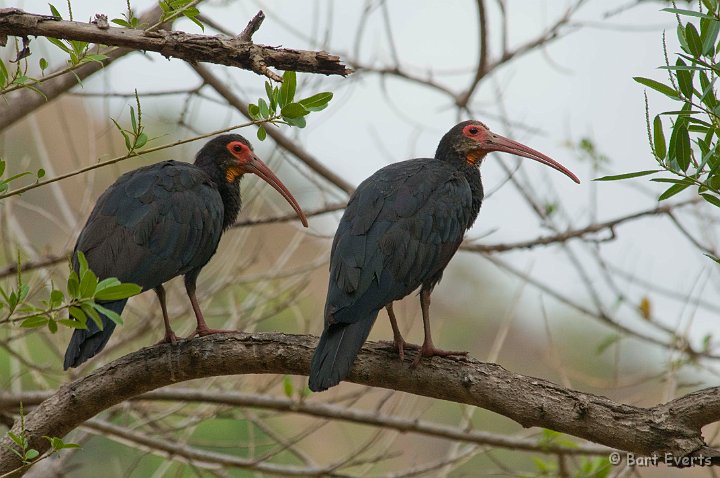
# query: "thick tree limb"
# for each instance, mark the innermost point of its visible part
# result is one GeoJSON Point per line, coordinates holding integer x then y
{"type": "Point", "coordinates": [237, 52]}
{"type": "Point", "coordinates": [673, 428]}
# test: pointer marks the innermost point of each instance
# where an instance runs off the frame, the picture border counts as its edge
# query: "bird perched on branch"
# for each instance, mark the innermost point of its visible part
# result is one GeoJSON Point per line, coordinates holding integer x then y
{"type": "Point", "coordinates": [163, 221]}
{"type": "Point", "coordinates": [400, 229]}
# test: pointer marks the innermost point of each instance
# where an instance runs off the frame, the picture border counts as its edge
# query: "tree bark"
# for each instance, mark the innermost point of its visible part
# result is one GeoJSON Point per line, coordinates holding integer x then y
{"type": "Point", "coordinates": [673, 428]}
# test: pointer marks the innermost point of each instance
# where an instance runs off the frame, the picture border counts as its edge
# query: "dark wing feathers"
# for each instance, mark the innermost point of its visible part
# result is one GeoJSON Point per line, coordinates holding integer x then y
{"type": "Point", "coordinates": [399, 230]}
{"type": "Point", "coordinates": [153, 224]}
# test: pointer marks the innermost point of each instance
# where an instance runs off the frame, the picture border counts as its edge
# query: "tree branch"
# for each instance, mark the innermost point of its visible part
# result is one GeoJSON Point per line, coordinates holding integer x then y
{"type": "Point", "coordinates": [238, 52]}
{"type": "Point", "coordinates": [673, 428]}
{"type": "Point", "coordinates": [11, 402]}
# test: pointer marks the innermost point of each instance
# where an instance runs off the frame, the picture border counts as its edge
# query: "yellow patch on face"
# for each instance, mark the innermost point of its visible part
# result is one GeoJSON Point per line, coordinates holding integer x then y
{"type": "Point", "coordinates": [473, 157]}
{"type": "Point", "coordinates": [232, 173]}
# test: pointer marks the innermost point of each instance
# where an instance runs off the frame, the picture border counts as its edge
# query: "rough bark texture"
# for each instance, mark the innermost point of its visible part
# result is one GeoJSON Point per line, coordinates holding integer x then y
{"type": "Point", "coordinates": [236, 52]}
{"type": "Point", "coordinates": [672, 428]}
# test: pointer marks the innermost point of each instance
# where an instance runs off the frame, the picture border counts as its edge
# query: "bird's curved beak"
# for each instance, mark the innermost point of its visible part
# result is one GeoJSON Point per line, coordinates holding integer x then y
{"type": "Point", "coordinates": [495, 142]}
{"type": "Point", "coordinates": [256, 166]}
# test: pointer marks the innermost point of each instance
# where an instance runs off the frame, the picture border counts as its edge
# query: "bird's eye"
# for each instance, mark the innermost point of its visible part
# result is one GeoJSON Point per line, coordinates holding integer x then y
{"type": "Point", "coordinates": [473, 130]}
{"type": "Point", "coordinates": [237, 148]}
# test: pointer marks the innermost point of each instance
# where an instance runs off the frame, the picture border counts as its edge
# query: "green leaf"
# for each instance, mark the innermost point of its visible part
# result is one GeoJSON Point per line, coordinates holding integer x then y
{"type": "Point", "coordinates": [43, 64]}
{"type": "Point", "coordinates": [288, 386]}
{"type": "Point", "coordinates": [73, 285]}
{"type": "Point", "coordinates": [54, 11]}
{"type": "Point", "coordinates": [117, 292]}
{"type": "Point", "coordinates": [657, 86]}
{"type": "Point", "coordinates": [59, 44]}
{"type": "Point", "coordinates": [82, 261]}
{"type": "Point", "coordinates": [56, 298]}
{"type": "Point", "coordinates": [261, 133]}
{"type": "Point", "coordinates": [105, 283]}
{"type": "Point", "coordinates": [680, 146]}
{"type": "Point", "coordinates": [628, 175]}
{"type": "Point", "coordinates": [73, 324]}
{"type": "Point", "coordinates": [133, 122]}
{"type": "Point", "coordinates": [693, 40]}
{"type": "Point", "coordinates": [23, 292]}
{"type": "Point", "coordinates": [31, 454]}
{"type": "Point", "coordinates": [709, 30]}
{"type": "Point", "coordinates": [79, 315]}
{"type": "Point", "coordinates": [294, 110]}
{"type": "Point", "coordinates": [712, 199]}
{"type": "Point", "coordinates": [40, 173]}
{"type": "Point", "coordinates": [3, 73]}
{"type": "Point", "coordinates": [3, 164]}
{"type": "Point", "coordinates": [287, 88]}
{"type": "Point", "coordinates": [689, 13]}
{"type": "Point", "coordinates": [121, 22]}
{"type": "Point", "coordinates": [271, 96]}
{"type": "Point", "coordinates": [18, 440]}
{"type": "Point", "coordinates": [297, 122]}
{"type": "Point", "coordinates": [673, 190]}
{"type": "Point", "coordinates": [264, 110]}
{"type": "Point", "coordinates": [254, 111]}
{"type": "Point", "coordinates": [110, 314]}
{"type": "Point", "coordinates": [89, 310]}
{"type": "Point", "coordinates": [685, 81]}
{"type": "Point", "coordinates": [88, 284]}
{"type": "Point", "coordinates": [317, 102]}
{"type": "Point", "coordinates": [141, 140]}
{"type": "Point", "coordinates": [52, 326]}
{"type": "Point", "coordinates": [34, 321]}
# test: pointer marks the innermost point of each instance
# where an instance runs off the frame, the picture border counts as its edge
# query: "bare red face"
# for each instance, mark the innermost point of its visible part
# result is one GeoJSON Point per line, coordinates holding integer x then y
{"type": "Point", "coordinates": [489, 142]}
{"type": "Point", "coordinates": [248, 162]}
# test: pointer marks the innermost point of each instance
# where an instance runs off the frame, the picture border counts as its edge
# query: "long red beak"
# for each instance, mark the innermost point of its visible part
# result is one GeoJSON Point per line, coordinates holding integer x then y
{"type": "Point", "coordinates": [495, 142]}
{"type": "Point", "coordinates": [256, 166]}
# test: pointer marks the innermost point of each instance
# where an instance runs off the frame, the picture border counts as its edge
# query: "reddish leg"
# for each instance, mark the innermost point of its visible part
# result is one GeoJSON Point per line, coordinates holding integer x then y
{"type": "Point", "coordinates": [398, 341]}
{"type": "Point", "coordinates": [202, 328]}
{"type": "Point", "coordinates": [170, 337]}
{"type": "Point", "coordinates": [428, 348]}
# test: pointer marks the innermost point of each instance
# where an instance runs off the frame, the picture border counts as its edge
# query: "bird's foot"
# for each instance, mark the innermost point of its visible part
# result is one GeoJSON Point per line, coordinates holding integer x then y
{"type": "Point", "coordinates": [202, 332]}
{"type": "Point", "coordinates": [400, 346]}
{"type": "Point", "coordinates": [170, 338]}
{"type": "Point", "coordinates": [431, 351]}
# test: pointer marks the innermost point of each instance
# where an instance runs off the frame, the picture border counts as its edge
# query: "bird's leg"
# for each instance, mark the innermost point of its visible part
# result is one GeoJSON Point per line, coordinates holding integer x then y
{"type": "Point", "coordinates": [170, 336]}
{"type": "Point", "coordinates": [428, 348]}
{"type": "Point", "coordinates": [398, 341]}
{"type": "Point", "coordinates": [202, 328]}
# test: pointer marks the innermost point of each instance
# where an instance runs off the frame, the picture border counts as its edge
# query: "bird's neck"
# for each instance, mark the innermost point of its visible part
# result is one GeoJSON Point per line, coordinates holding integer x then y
{"type": "Point", "coordinates": [230, 194]}
{"type": "Point", "coordinates": [472, 174]}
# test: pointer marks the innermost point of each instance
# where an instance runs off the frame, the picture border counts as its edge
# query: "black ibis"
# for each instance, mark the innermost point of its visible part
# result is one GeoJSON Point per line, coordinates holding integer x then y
{"type": "Point", "coordinates": [162, 221]}
{"type": "Point", "coordinates": [400, 229]}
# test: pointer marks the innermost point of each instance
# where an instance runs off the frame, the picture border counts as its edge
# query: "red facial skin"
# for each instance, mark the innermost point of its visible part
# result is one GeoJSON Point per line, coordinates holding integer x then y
{"type": "Point", "coordinates": [248, 162]}
{"type": "Point", "coordinates": [489, 142]}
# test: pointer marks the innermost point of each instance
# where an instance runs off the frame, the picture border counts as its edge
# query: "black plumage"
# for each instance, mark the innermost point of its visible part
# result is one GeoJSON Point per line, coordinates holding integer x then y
{"type": "Point", "coordinates": [162, 221]}
{"type": "Point", "coordinates": [400, 229]}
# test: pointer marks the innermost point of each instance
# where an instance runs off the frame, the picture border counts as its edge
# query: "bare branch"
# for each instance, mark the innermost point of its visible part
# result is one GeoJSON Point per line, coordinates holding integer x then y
{"type": "Point", "coordinates": [10, 401]}
{"type": "Point", "coordinates": [237, 52]}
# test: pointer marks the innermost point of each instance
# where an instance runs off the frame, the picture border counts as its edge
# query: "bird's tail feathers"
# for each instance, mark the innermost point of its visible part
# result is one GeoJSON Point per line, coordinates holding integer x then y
{"type": "Point", "coordinates": [86, 343]}
{"type": "Point", "coordinates": [334, 356]}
